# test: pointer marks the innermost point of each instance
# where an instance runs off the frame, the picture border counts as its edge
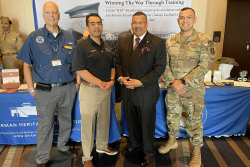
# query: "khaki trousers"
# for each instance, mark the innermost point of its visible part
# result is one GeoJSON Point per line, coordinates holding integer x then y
{"type": "Point", "coordinates": [95, 109]}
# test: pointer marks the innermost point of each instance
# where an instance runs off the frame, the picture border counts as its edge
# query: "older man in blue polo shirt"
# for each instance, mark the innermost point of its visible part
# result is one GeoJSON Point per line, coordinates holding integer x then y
{"type": "Point", "coordinates": [50, 50]}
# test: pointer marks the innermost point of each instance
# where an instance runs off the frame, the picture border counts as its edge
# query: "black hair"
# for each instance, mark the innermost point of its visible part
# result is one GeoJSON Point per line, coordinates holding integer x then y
{"type": "Point", "coordinates": [92, 14]}
{"type": "Point", "coordinates": [188, 8]}
{"type": "Point", "coordinates": [10, 22]}
{"type": "Point", "coordinates": [139, 14]}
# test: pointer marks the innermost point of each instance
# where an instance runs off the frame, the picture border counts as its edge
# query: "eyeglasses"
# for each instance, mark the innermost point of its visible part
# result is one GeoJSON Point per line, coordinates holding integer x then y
{"type": "Point", "coordinates": [139, 23]}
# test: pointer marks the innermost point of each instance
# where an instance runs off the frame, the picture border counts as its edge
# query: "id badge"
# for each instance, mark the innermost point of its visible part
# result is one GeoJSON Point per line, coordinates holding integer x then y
{"type": "Point", "coordinates": [56, 62]}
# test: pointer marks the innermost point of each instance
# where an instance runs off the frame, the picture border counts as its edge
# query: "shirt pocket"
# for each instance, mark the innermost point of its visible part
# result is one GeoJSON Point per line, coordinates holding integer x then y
{"type": "Point", "coordinates": [11, 42]}
{"type": "Point", "coordinates": [67, 55]}
{"type": "Point", "coordinates": [193, 54]}
{"type": "Point", "coordinates": [42, 54]}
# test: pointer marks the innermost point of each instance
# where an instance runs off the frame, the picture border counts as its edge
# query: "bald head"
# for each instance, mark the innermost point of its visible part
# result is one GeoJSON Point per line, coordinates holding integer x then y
{"type": "Point", "coordinates": [51, 14]}
{"type": "Point", "coordinates": [50, 3]}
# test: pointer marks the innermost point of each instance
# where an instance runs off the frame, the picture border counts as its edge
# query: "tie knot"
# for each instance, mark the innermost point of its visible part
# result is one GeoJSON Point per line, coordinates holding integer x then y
{"type": "Point", "coordinates": [137, 40]}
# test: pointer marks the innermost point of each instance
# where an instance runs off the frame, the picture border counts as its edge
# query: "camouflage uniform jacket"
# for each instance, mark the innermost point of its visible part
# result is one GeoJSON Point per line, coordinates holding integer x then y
{"type": "Point", "coordinates": [189, 60]}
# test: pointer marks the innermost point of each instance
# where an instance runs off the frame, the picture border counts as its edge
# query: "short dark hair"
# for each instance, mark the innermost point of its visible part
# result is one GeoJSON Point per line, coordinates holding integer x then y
{"type": "Point", "coordinates": [10, 22]}
{"type": "Point", "coordinates": [92, 14]}
{"type": "Point", "coordinates": [139, 14]}
{"type": "Point", "coordinates": [188, 8]}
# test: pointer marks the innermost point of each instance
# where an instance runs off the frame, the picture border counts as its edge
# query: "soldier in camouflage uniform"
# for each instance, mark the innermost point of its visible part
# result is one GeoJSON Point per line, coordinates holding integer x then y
{"type": "Point", "coordinates": [189, 57]}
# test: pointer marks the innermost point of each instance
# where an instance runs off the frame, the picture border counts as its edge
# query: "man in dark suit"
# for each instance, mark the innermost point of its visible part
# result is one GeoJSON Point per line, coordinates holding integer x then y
{"type": "Point", "coordinates": [140, 61]}
{"type": "Point", "coordinates": [124, 34]}
{"type": "Point", "coordinates": [117, 84]}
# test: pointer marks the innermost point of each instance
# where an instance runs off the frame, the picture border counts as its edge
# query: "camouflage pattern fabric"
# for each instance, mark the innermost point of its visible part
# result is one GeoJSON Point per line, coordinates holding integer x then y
{"type": "Point", "coordinates": [189, 60]}
{"type": "Point", "coordinates": [193, 106]}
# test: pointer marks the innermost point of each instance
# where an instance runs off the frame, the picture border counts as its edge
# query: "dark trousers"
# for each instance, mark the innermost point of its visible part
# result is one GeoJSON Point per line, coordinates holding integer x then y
{"type": "Point", "coordinates": [141, 126]}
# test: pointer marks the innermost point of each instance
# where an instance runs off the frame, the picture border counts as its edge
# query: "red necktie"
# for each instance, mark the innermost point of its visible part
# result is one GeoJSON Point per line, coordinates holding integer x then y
{"type": "Point", "coordinates": [137, 43]}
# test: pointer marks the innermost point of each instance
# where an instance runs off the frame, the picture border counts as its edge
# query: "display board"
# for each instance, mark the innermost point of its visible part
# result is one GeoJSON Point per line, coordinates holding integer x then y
{"type": "Point", "coordinates": [116, 15]}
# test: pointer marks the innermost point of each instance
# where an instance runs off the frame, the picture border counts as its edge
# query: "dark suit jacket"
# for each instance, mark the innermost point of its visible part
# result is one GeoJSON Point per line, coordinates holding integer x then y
{"type": "Point", "coordinates": [124, 34]}
{"type": "Point", "coordinates": [147, 67]}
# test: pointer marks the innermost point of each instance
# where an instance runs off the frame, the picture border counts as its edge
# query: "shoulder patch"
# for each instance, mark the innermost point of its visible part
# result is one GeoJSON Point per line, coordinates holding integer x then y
{"type": "Point", "coordinates": [20, 36]}
{"type": "Point", "coordinates": [211, 43]}
{"type": "Point", "coordinates": [212, 51]}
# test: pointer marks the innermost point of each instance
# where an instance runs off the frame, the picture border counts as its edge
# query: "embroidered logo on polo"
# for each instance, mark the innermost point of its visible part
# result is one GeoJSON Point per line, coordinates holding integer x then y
{"type": "Point", "coordinates": [39, 39]}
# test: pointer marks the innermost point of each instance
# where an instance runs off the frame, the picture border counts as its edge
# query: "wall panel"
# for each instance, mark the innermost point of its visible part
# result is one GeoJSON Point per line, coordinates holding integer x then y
{"type": "Point", "coordinates": [200, 8]}
{"type": "Point", "coordinates": [215, 21]}
{"type": "Point", "coordinates": [21, 14]}
{"type": "Point", "coordinates": [211, 16]}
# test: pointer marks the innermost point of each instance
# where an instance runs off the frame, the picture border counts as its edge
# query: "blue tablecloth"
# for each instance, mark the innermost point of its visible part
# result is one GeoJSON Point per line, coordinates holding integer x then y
{"type": "Point", "coordinates": [18, 120]}
{"type": "Point", "coordinates": [226, 113]}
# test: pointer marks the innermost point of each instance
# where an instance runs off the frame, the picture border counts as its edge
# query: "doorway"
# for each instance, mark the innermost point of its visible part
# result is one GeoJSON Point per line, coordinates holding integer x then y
{"type": "Point", "coordinates": [237, 34]}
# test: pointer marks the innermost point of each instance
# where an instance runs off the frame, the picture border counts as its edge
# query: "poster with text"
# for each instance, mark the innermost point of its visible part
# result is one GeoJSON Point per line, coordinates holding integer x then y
{"type": "Point", "coordinates": [116, 16]}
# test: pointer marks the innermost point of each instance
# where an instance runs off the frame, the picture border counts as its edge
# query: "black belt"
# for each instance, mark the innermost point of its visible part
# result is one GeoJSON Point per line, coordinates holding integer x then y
{"type": "Point", "coordinates": [59, 84]}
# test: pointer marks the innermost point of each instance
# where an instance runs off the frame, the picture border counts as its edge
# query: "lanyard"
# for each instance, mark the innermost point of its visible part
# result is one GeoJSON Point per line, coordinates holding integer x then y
{"type": "Point", "coordinates": [55, 49]}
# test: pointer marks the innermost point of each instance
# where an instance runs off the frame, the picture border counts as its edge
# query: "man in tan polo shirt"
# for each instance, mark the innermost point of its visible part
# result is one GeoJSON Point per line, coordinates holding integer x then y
{"type": "Point", "coordinates": [10, 44]}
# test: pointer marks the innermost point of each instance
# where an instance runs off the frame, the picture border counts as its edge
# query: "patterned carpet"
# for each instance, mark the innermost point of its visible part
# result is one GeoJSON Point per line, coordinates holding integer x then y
{"type": "Point", "coordinates": [232, 151]}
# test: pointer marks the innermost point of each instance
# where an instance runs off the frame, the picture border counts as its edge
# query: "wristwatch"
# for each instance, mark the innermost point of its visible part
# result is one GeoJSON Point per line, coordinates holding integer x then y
{"type": "Point", "coordinates": [183, 81]}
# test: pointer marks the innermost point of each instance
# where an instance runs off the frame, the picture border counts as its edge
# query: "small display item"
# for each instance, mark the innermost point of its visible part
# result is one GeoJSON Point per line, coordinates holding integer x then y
{"type": "Point", "coordinates": [219, 84]}
{"type": "Point", "coordinates": [208, 83]}
{"type": "Point", "coordinates": [10, 76]}
{"type": "Point", "coordinates": [207, 78]}
{"type": "Point", "coordinates": [217, 78]}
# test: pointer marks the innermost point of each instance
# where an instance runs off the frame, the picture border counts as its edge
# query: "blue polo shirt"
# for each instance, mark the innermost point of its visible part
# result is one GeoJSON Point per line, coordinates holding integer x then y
{"type": "Point", "coordinates": [41, 48]}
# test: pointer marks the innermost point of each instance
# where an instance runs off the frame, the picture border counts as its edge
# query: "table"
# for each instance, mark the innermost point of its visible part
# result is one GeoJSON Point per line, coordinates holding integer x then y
{"type": "Point", "coordinates": [18, 120]}
{"type": "Point", "coordinates": [226, 113]}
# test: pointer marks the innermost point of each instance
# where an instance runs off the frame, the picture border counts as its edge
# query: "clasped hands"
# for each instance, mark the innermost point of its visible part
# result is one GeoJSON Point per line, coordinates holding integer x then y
{"type": "Point", "coordinates": [177, 86]}
{"type": "Point", "coordinates": [130, 83]}
{"type": "Point", "coordinates": [106, 86]}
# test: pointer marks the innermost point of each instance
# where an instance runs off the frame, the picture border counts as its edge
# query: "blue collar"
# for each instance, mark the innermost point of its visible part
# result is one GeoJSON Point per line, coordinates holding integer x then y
{"type": "Point", "coordinates": [46, 31]}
